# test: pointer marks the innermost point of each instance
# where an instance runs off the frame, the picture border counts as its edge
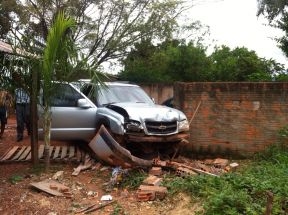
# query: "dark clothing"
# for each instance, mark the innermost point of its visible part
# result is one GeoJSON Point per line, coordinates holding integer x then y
{"type": "Point", "coordinates": [23, 118]}
{"type": "Point", "coordinates": [5, 102]}
{"type": "Point", "coordinates": [22, 112]}
{"type": "Point", "coordinates": [3, 115]}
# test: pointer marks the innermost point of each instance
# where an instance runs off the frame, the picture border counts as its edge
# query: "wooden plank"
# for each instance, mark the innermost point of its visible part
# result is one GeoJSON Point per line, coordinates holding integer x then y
{"type": "Point", "coordinates": [56, 152]}
{"type": "Point", "coordinates": [64, 151]}
{"type": "Point", "coordinates": [6, 152]}
{"type": "Point", "coordinates": [50, 186]}
{"type": "Point", "coordinates": [19, 153]}
{"type": "Point", "coordinates": [71, 151]}
{"type": "Point", "coordinates": [10, 153]}
{"type": "Point", "coordinates": [28, 156]}
{"type": "Point", "coordinates": [51, 150]}
{"type": "Point", "coordinates": [25, 153]}
{"type": "Point", "coordinates": [78, 154]}
{"type": "Point", "coordinates": [40, 151]}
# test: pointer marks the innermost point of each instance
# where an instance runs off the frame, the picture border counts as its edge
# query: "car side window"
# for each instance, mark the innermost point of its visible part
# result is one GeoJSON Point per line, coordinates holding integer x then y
{"type": "Point", "coordinates": [91, 92]}
{"type": "Point", "coordinates": [65, 96]}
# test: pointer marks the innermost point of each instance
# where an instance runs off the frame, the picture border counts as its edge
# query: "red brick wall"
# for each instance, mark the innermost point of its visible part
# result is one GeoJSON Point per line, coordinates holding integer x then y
{"type": "Point", "coordinates": [159, 92]}
{"type": "Point", "coordinates": [232, 118]}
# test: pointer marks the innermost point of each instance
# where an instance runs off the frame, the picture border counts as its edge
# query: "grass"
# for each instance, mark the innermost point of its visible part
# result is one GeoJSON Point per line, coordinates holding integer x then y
{"type": "Point", "coordinates": [236, 193]}
{"type": "Point", "coordinates": [15, 179]}
{"type": "Point", "coordinates": [133, 179]}
{"type": "Point", "coordinates": [241, 192]}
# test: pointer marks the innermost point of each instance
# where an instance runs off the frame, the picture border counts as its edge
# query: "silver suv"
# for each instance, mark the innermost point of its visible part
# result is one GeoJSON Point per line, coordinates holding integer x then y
{"type": "Point", "coordinates": [129, 114]}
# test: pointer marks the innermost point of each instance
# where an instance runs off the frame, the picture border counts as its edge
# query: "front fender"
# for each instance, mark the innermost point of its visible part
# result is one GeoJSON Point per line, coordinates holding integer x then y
{"type": "Point", "coordinates": [115, 120]}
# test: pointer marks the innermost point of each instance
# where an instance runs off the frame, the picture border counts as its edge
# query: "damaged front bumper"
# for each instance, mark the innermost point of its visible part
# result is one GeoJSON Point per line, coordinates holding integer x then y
{"type": "Point", "coordinates": [108, 150]}
{"type": "Point", "coordinates": [158, 139]}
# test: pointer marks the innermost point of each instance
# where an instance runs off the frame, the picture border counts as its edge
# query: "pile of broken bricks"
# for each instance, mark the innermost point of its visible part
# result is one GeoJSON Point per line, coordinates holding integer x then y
{"type": "Point", "coordinates": [151, 188]}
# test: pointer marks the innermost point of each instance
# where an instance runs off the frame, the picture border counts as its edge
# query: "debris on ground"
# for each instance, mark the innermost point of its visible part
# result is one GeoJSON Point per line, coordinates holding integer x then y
{"type": "Point", "coordinates": [117, 176]}
{"type": "Point", "coordinates": [53, 187]}
{"type": "Point", "coordinates": [88, 162]}
{"type": "Point", "coordinates": [106, 197]}
{"type": "Point", "coordinates": [152, 180]}
{"type": "Point", "coordinates": [107, 149]}
{"type": "Point", "coordinates": [58, 175]}
{"type": "Point", "coordinates": [150, 193]}
{"type": "Point", "coordinates": [151, 188]}
{"type": "Point", "coordinates": [94, 207]}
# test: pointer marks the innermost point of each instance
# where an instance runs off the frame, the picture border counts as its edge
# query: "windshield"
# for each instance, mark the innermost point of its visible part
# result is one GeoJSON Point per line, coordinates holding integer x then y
{"type": "Point", "coordinates": [116, 93]}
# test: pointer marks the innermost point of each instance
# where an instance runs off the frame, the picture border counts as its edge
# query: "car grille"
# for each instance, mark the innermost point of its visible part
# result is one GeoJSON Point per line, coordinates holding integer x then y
{"type": "Point", "coordinates": [161, 127]}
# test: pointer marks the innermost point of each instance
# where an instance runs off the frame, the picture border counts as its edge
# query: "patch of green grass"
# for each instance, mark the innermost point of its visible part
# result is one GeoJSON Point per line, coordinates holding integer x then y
{"type": "Point", "coordinates": [133, 179]}
{"type": "Point", "coordinates": [15, 179]}
{"type": "Point", "coordinates": [118, 210]}
{"type": "Point", "coordinates": [242, 192]}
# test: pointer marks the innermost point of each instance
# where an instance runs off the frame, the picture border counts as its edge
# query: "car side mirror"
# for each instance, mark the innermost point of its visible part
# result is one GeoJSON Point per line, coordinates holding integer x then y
{"type": "Point", "coordinates": [82, 103]}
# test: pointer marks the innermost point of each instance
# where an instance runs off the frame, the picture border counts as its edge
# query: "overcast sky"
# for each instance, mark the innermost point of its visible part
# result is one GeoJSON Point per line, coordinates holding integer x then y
{"type": "Point", "coordinates": [234, 23]}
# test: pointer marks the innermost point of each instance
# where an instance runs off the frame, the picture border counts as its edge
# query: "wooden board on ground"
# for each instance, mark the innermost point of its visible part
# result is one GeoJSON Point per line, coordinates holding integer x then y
{"type": "Point", "coordinates": [59, 152]}
{"type": "Point", "coordinates": [40, 151]}
{"type": "Point", "coordinates": [50, 151]}
{"type": "Point", "coordinates": [71, 151]}
{"type": "Point", "coordinates": [25, 153]}
{"type": "Point", "coordinates": [56, 152]}
{"type": "Point", "coordinates": [9, 153]}
{"type": "Point", "coordinates": [64, 151]}
{"type": "Point", "coordinates": [29, 155]}
{"type": "Point", "coordinates": [19, 153]}
{"type": "Point", "coordinates": [50, 186]}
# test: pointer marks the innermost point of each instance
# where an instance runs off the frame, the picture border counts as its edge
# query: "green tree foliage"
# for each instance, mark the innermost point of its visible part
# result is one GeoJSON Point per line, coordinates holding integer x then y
{"type": "Point", "coordinates": [271, 9]}
{"type": "Point", "coordinates": [240, 64]}
{"type": "Point", "coordinates": [168, 62]}
{"type": "Point", "coordinates": [8, 11]}
{"type": "Point", "coordinates": [59, 49]}
{"type": "Point", "coordinates": [104, 30]}
{"type": "Point", "coordinates": [283, 25]}
{"type": "Point", "coordinates": [277, 14]}
{"type": "Point", "coordinates": [175, 61]}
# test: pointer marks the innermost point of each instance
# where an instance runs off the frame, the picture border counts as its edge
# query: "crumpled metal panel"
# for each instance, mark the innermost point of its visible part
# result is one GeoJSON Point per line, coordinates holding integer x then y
{"type": "Point", "coordinates": [107, 149]}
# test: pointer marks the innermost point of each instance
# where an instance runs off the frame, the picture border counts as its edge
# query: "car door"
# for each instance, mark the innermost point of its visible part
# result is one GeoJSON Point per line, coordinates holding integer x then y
{"type": "Point", "coordinates": [70, 121]}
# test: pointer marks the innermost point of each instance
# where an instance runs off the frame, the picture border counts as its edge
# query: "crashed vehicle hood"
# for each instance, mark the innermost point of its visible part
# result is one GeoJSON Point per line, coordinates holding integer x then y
{"type": "Point", "coordinates": [141, 111]}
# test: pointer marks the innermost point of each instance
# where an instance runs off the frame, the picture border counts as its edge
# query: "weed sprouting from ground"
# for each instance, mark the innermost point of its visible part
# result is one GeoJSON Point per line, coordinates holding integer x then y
{"type": "Point", "coordinates": [15, 179]}
{"type": "Point", "coordinates": [133, 179]}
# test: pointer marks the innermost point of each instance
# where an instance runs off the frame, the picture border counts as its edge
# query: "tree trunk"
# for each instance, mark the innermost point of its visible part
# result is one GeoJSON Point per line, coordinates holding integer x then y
{"type": "Point", "coordinates": [269, 203]}
{"type": "Point", "coordinates": [47, 136]}
{"type": "Point", "coordinates": [34, 120]}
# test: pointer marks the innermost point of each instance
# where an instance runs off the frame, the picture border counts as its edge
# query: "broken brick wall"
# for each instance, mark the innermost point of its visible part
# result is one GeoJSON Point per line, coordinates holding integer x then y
{"type": "Point", "coordinates": [232, 118]}
{"type": "Point", "coordinates": [159, 92]}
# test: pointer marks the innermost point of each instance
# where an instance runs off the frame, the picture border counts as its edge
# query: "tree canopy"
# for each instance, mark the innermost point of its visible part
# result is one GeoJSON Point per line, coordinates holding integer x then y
{"type": "Point", "coordinates": [277, 14]}
{"type": "Point", "coordinates": [240, 64]}
{"type": "Point", "coordinates": [176, 61]}
{"type": "Point", "coordinates": [271, 9]}
{"type": "Point", "coordinates": [105, 30]}
{"type": "Point", "coordinates": [166, 62]}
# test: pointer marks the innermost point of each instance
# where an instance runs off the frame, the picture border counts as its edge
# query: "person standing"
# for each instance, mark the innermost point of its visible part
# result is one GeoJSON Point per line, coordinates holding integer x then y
{"type": "Point", "coordinates": [5, 102]}
{"type": "Point", "coordinates": [22, 101]}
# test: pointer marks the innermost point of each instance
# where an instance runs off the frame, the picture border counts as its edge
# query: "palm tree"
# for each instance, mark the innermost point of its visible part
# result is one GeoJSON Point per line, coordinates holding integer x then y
{"type": "Point", "coordinates": [61, 63]}
{"type": "Point", "coordinates": [57, 61]}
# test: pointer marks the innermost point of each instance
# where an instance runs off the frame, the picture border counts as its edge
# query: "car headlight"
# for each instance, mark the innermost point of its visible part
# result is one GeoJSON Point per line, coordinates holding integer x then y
{"type": "Point", "coordinates": [183, 125]}
{"type": "Point", "coordinates": [133, 126]}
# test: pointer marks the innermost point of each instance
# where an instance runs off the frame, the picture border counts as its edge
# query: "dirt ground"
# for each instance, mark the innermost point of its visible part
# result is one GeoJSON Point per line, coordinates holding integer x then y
{"type": "Point", "coordinates": [17, 196]}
